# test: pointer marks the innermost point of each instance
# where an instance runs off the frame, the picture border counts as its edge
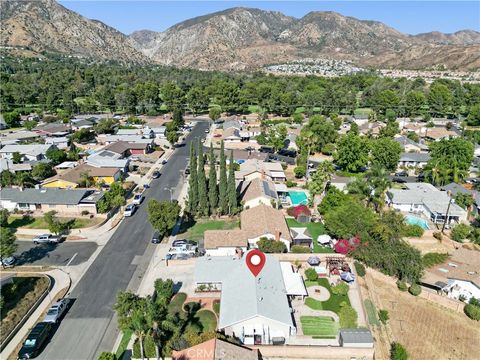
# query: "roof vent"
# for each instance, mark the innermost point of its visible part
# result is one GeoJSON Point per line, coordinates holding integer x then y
{"type": "Point", "coordinates": [43, 190]}
{"type": "Point", "coordinates": [471, 272]}
{"type": "Point", "coordinates": [260, 298]}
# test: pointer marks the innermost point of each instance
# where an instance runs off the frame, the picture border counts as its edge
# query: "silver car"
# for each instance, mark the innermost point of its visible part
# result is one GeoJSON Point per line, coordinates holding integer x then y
{"type": "Point", "coordinates": [56, 311]}
{"type": "Point", "coordinates": [46, 238]}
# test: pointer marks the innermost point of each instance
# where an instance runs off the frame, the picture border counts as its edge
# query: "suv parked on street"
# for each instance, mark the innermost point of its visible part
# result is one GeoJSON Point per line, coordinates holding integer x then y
{"type": "Point", "coordinates": [56, 311]}
{"type": "Point", "coordinates": [46, 239]}
{"type": "Point", "coordinates": [35, 341]}
{"type": "Point", "coordinates": [129, 210]}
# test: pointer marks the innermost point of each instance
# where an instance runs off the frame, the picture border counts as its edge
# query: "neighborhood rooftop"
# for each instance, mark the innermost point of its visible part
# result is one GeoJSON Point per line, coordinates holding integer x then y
{"type": "Point", "coordinates": [48, 196]}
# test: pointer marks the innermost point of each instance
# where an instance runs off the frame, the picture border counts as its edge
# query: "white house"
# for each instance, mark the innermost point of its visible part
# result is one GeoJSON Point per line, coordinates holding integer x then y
{"type": "Point", "coordinates": [254, 168]}
{"type": "Point", "coordinates": [59, 142]}
{"type": "Point", "coordinates": [423, 198]}
{"type": "Point", "coordinates": [254, 309]}
{"type": "Point", "coordinates": [413, 160]}
{"type": "Point", "coordinates": [29, 152]}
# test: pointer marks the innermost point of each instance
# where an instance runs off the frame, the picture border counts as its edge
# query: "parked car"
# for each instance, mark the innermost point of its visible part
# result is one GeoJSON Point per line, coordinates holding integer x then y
{"type": "Point", "coordinates": [56, 311]}
{"type": "Point", "coordinates": [10, 261]}
{"type": "Point", "coordinates": [137, 199]}
{"type": "Point", "coordinates": [399, 180]}
{"type": "Point", "coordinates": [146, 186]}
{"type": "Point", "coordinates": [35, 340]}
{"type": "Point", "coordinates": [129, 210]}
{"type": "Point", "coordinates": [187, 171]}
{"type": "Point", "coordinates": [46, 239]}
{"type": "Point", "coordinates": [421, 177]}
{"type": "Point", "coordinates": [156, 238]}
{"type": "Point", "coordinates": [164, 161]}
{"type": "Point", "coordinates": [156, 174]}
{"type": "Point", "coordinates": [401, 173]}
{"type": "Point", "coordinates": [207, 131]}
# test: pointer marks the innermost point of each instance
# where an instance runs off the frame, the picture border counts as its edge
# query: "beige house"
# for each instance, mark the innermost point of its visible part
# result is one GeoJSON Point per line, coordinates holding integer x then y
{"type": "Point", "coordinates": [256, 192]}
{"type": "Point", "coordinates": [257, 169]}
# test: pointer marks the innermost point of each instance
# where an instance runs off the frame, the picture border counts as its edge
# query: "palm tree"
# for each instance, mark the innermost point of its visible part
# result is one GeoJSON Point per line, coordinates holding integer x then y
{"type": "Point", "coordinates": [160, 323]}
{"type": "Point", "coordinates": [139, 324]}
{"type": "Point", "coordinates": [309, 139]}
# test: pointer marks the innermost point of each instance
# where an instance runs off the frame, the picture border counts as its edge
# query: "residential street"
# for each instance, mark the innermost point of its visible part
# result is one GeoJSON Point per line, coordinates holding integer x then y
{"type": "Point", "coordinates": [88, 328]}
{"type": "Point", "coordinates": [71, 253]}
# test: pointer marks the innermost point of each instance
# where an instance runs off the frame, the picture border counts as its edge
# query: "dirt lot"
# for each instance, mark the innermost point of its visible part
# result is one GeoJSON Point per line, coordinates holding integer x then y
{"type": "Point", "coordinates": [427, 330]}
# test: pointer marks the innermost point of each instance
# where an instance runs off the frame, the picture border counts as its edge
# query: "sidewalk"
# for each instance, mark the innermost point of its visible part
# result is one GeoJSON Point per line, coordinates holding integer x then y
{"type": "Point", "coordinates": [62, 281]}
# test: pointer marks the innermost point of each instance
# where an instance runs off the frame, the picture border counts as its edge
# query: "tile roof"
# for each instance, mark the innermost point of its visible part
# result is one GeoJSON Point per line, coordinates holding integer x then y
{"type": "Point", "coordinates": [256, 188]}
{"type": "Point", "coordinates": [255, 165]}
{"type": "Point", "coordinates": [214, 239]}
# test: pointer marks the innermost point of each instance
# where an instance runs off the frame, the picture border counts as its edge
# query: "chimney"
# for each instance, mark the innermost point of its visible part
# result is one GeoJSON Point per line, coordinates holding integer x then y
{"type": "Point", "coordinates": [277, 235]}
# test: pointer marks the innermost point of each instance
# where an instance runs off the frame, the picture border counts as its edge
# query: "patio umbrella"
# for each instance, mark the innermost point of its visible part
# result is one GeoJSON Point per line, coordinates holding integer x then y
{"type": "Point", "coordinates": [313, 260]}
{"type": "Point", "coordinates": [347, 276]}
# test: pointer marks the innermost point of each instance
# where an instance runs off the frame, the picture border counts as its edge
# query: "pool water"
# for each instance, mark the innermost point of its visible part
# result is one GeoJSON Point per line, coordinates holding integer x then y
{"type": "Point", "coordinates": [298, 197]}
{"type": "Point", "coordinates": [413, 220]}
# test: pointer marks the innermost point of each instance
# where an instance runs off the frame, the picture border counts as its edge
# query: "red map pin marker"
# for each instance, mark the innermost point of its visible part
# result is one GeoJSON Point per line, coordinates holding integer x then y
{"type": "Point", "coordinates": [255, 261]}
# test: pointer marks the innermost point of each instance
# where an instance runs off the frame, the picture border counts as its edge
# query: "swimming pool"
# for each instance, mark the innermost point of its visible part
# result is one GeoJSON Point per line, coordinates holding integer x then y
{"type": "Point", "coordinates": [413, 220]}
{"type": "Point", "coordinates": [298, 197]}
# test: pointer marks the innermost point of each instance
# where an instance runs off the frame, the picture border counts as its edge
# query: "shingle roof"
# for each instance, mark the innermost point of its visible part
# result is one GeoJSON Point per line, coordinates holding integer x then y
{"type": "Point", "coordinates": [214, 239]}
{"type": "Point", "coordinates": [254, 165]}
{"type": "Point", "coordinates": [256, 188]}
{"type": "Point", "coordinates": [415, 157]}
{"type": "Point", "coordinates": [44, 196]}
{"type": "Point", "coordinates": [29, 149]}
{"type": "Point", "coordinates": [263, 219]}
{"type": "Point", "coordinates": [75, 175]}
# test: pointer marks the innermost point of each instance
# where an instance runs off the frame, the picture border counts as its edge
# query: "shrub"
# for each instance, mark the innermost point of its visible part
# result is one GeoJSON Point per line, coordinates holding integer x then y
{"type": "Point", "coordinates": [460, 232]}
{"type": "Point", "coordinates": [412, 231]}
{"type": "Point", "coordinates": [85, 212]}
{"type": "Point", "coordinates": [431, 259]}
{"type": "Point", "coordinates": [347, 315]}
{"type": "Point", "coordinates": [107, 356]}
{"type": "Point", "coordinates": [328, 149]}
{"type": "Point", "coordinates": [438, 235]}
{"type": "Point", "coordinates": [300, 171]}
{"type": "Point", "coordinates": [311, 274]}
{"type": "Point", "coordinates": [291, 183]}
{"type": "Point", "coordinates": [340, 289]}
{"type": "Point", "coordinates": [415, 289]}
{"type": "Point", "coordinates": [398, 352]}
{"type": "Point", "coordinates": [148, 348]}
{"type": "Point", "coordinates": [472, 309]}
{"type": "Point", "coordinates": [300, 249]}
{"type": "Point", "coordinates": [271, 246]}
{"type": "Point", "coordinates": [360, 268]}
{"type": "Point", "coordinates": [402, 286]}
{"type": "Point", "coordinates": [383, 316]}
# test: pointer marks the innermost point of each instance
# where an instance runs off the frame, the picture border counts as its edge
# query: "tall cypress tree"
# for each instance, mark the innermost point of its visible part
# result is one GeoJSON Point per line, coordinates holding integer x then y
{"type": "Point", "coordinates": [231, 188]}
{"type": "Point", "coordinates": [202, 183]}
{"type": "Point", "coordinates": [193, 181]}
{"type": "Point", "coordinates": [212, 183]}
{"type": "Point", "coordinates": [222, 184]}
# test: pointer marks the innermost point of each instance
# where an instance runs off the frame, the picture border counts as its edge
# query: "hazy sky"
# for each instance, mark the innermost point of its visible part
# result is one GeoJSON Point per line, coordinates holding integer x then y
{"type": "Point", "coordinates": [410, 17]}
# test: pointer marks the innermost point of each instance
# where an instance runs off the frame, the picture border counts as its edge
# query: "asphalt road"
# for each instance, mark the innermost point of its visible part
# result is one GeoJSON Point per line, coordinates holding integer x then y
{"type": "Point", "coordinates": [88, 328]}
{"type": "Point", "coordinates": [71, 253]}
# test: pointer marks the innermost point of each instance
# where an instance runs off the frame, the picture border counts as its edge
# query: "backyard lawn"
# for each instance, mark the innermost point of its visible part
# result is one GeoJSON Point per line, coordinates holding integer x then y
{"type": "Point", "coordinates": [314, 229]}
{"type": "Point", "coordinates": [194, 231]}
{"type": "Point", "coordinates": [176, 304]}
{"type": "Point", "coordinates": [332, 304]}
{"type": "Point", "coordinates": [322, 327]}
{"type": "Point", "coordinates": [40, 223]}
{"type": "Point", "coordinates": [207, 319]}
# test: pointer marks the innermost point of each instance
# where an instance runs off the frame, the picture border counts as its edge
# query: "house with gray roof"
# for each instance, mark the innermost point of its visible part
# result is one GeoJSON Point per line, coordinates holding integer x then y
{"type": "Point", "coordinates": [408, 145]}
{"type": "Point", "coordinates": [454, 189]}
{"type": "Point", "coordinates": [413, 160]}
{"type": "Point", "coordinates": [356, 338]}
{"type": "Point", "coordinates": [28, 152]}
{"type": "Point", "coordinates": [255, 310]}
{"type": "Point", "coordinates": [8, 165]}
{"type": "Point", "coordinates": [423, 198]}
{"type": "Point", "coordinates": [64, 202]}
{"type": "Point", "coordinates": [232, 124]}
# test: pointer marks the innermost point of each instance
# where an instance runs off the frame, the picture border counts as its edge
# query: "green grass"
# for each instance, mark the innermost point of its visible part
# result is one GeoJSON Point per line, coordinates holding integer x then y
{"type": "Point", "coordinates": [176, 304]}
{"type": "Point", "coordinates": [332, 304]}
{"type": "Point", "coordinates": [254, 108]}
{"type": "Point", "coordinates": [207, 319]}
{"type": "Point", "coordinates": [371, 312]}
{"type": "Point", "coordinates": [126, 336]}
{"type": "Point", "coordinates": [194, 231]}
{"type": "Point", "coordinates": [216, 307]}
{"type": "Point", "coordinates": [362, 111]}
{"type": "Point", "coordinates": [321, 327]}
{"type": "Point", "coordinates": [40, 223]}
{"type": "Point", "coordinates": [314, 229]}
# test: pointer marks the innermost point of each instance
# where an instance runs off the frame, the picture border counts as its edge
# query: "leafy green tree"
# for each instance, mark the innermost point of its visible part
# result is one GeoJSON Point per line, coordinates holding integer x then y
{"type": "Point", "coordinates": [178, 117]}
{"type": "Point", "coordinates": [271, 246]}
{"type": "Point", "coordinates": [222, 185]}
{"type": "Point", "coordinates": [317, 133]}
{"type": "Point", "coordinates": [450, 161]}
{"type": "Point", "coordinates": [398, 352]}
{"type": "Point", "coordinates": [352, 152]}
{"type": "Point", "coordinates": [354, 129]}
{"type": "Point", "coordinates": [440, 99]}
{"type": "Point", "coordinates": [171, 94]}
{"type": "Point", "coordinates": [106, 126]}
{"type": "Point", "coordinates": [197, 99]}
{"type": "Point", "coordinates": [212, 182]}
{"type": "Point", "coordinates": [56, 156]}
{"type": "Point", "coordinates": [390, 130]}
{"type": "Point", "coordinates": [17, 157]}
{"type": "Point", "coordinates": [163, 215]}
{"type": "Point", "coordinates": [383, 316]}
{"type": "Point", "coordinates": [193, 181]}
{"type": "Point", "coordinates": [171, 133]}
{"type": "Point", "coordinates": [386, 153]}
{"type": "Point", "coordinates": [41, 171]}
{"type": "Point", "coordinates": [332, 199]}
{"type": "Point", "coordinates": [348, 220]}
{"type": "Point", "coordinates": [55, 225]}
{"type": "Point", "coordinates": [387, 99]}
{"type": "Point", "coordinates": [29, 124]}
{"type": "Point", "coordinates": [4, 214]}
{"type": "Point", "coordinates": [231, 187]}
{"type": "Point", "coordinates": [7, 243]}
{"type": "Point", "coordinates": [460, 232]}
{"type": "Point", "coordinates": [12, 119]}
{"type": "Point", "coordinates": [415, 102]}
{"type": "Point", "coordinates": [300, 171]}
{"type": "Point", "coordinates": [202, 183]}
{"type": "Point", "coordinates": [107, 356]}
{"type": "Point", "coordinates": [473, 118]}
{"type": "Point", "coordinates": [464, 200]}
{"type": "Point", "coordinates": [214, 113]}
{"type": "Point", "coordinates": [82, 136]}
{"type": "Point", "coordinates": [23, 179]}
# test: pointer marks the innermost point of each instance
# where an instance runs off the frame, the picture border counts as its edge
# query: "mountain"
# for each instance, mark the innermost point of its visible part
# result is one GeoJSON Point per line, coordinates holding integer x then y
{"type": "Point", "coordinates": [244, 38]}
{"type": "Point", "coordinates": [235, 39]}
{"type": "Point", "coordinates": [44, 25]}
